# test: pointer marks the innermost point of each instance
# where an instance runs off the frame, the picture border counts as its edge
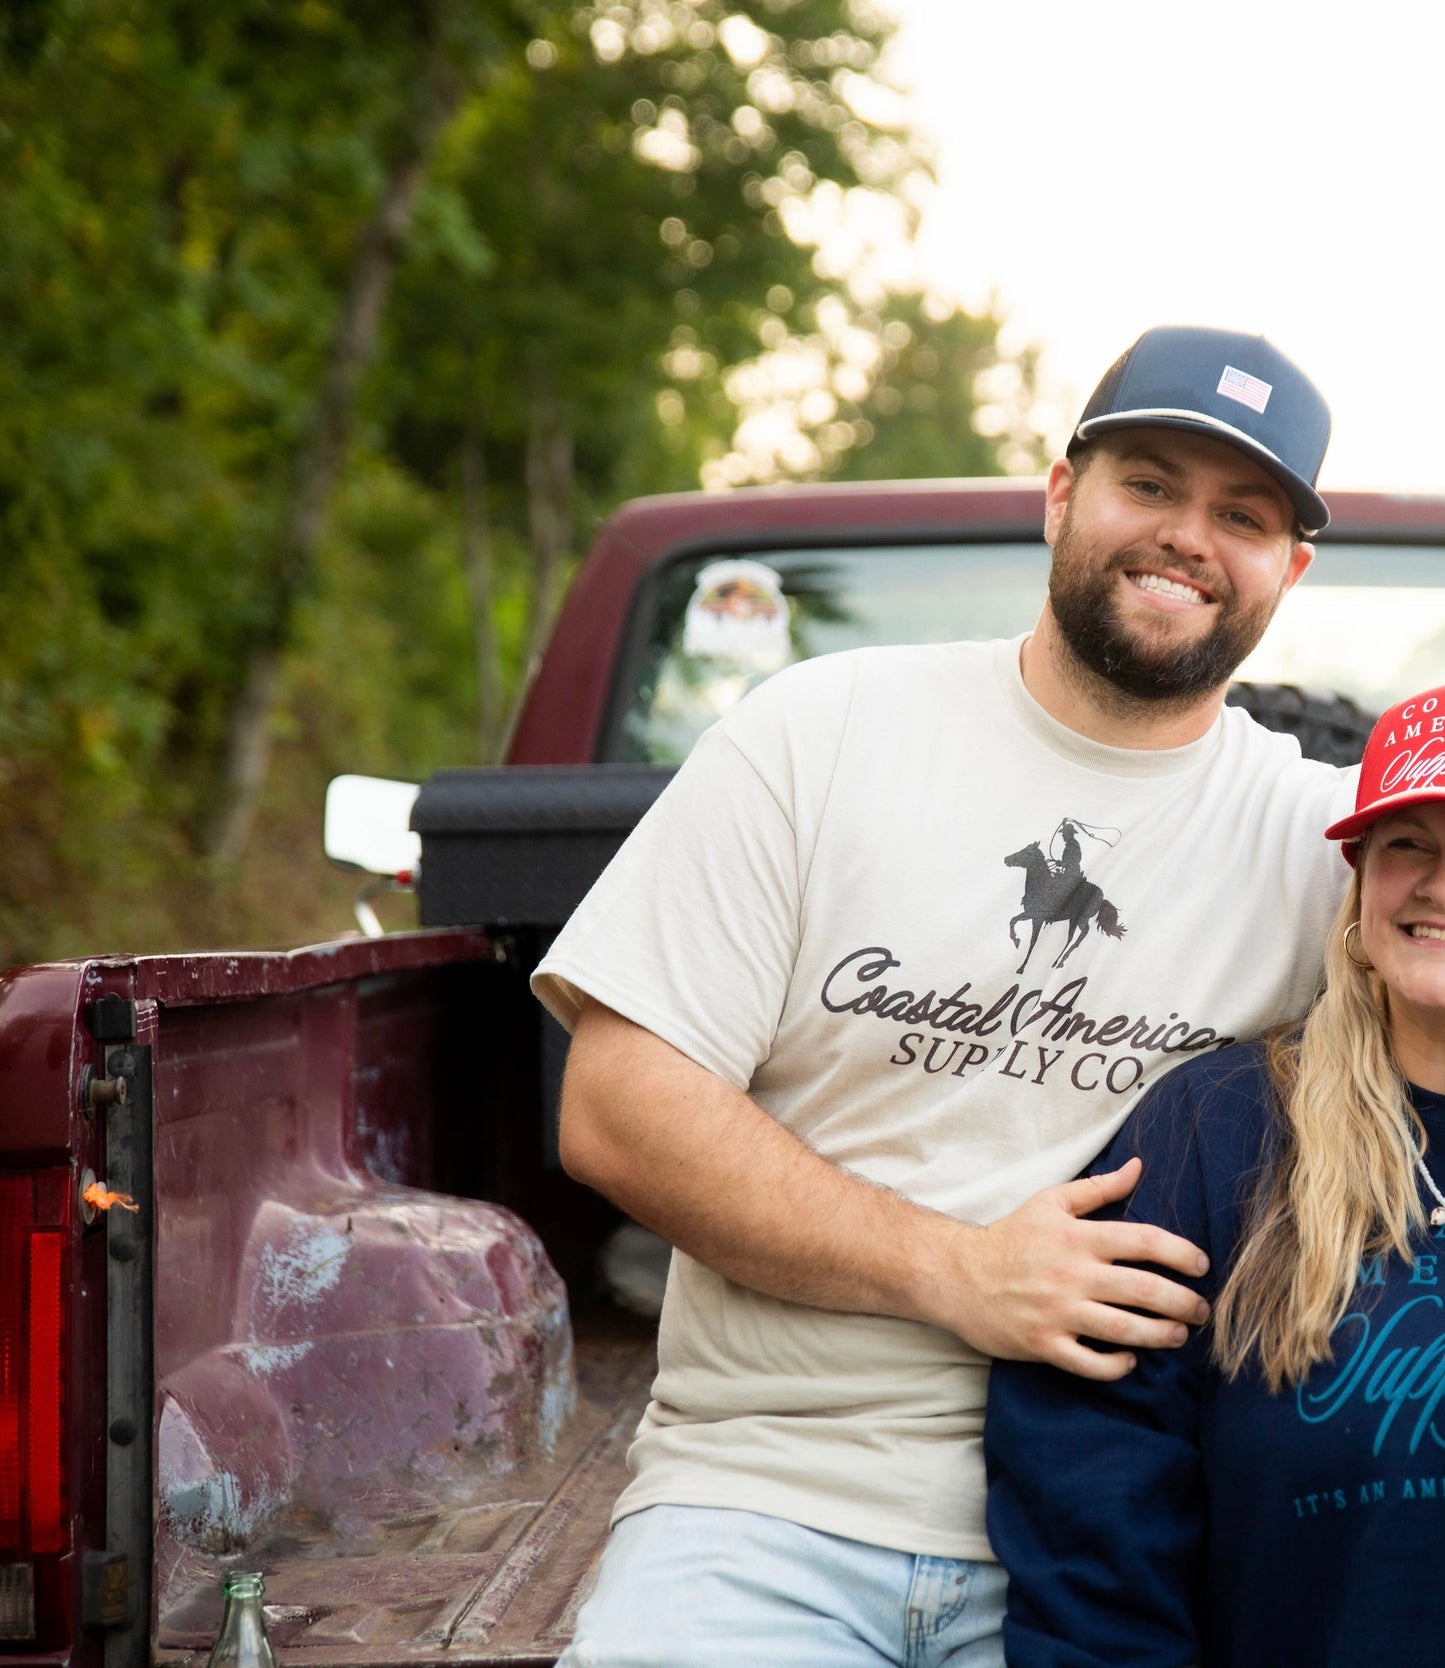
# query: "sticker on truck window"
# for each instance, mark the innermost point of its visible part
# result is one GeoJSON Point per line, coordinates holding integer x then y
{"type": "Point", "coordinates": [737, 612]}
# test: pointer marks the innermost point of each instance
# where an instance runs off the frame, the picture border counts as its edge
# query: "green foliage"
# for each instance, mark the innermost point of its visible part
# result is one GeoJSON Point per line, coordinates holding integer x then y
{"type": "Point", "coordinates": [939, 384]}
{"type": "Point", "coordinates": [610, 240]}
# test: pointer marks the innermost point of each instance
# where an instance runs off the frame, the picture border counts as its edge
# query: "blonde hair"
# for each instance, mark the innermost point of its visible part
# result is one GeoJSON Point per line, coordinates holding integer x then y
{"type": "Point", "coordinates": [1340, 1187]}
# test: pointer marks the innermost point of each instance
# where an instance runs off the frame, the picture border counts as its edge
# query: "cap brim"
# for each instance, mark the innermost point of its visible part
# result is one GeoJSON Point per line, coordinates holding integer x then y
{"type": "Point", "coordinates": [1352, 826]}
{"type": "Point", "coordinates": [1312, 510]}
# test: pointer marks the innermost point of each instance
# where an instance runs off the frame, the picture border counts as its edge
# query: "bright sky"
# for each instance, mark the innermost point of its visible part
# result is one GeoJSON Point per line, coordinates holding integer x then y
{"type": "Point", "coordinates": [1262, 165]}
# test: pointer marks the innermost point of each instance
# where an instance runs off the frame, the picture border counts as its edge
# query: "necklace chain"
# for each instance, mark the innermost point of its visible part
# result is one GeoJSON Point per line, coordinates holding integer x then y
{"type": "Point", "coordinates": [1437, 1216]}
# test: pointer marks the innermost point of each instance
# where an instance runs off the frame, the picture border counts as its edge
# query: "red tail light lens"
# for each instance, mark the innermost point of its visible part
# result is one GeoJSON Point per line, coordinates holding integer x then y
{"type": "Point", "coordinates": [34, 1244]}
{"type": "Point", "coordinates": [17, 1214]}
{"type": "Point", "coordinates": [45, 1404]}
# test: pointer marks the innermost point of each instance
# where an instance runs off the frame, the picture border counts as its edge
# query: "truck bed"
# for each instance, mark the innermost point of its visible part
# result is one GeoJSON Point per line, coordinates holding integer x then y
{"type": "Point", "coordinates": [493, 1571]}
{"type": "Point", "coordinates": [333, 1318]}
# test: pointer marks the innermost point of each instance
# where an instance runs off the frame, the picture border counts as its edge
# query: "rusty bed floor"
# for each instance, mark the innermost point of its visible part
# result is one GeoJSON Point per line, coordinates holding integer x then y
{"type": "Point", "coordinates": [494, 1574]}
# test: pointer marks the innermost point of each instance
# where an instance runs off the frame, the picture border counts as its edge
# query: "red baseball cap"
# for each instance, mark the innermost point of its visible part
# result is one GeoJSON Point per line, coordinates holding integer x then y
{"type": "Point", "coordinates": [1404, 764]}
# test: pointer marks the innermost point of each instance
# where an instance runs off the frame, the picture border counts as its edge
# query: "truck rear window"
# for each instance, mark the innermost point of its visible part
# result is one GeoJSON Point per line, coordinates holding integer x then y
{"type": "Point", "coordinates": [1366, 621]}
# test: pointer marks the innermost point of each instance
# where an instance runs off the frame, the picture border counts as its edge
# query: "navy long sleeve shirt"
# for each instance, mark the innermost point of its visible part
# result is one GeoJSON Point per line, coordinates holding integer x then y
{"type": "Point", "coordinates": [1177, 1517]}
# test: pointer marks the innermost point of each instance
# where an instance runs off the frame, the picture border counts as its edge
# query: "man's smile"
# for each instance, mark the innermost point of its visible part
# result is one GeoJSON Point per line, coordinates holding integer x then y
{"type": "Point", "coordinates": [1162, 585]}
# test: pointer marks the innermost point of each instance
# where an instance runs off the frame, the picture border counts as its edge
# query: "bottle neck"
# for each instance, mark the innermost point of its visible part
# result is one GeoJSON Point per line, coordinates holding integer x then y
{"type": "Point", "coordinates": [242, 1641]}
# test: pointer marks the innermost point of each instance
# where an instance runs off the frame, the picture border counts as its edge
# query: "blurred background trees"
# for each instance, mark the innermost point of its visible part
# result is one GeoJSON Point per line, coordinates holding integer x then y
{"type": "Point", "coordinates": [328, 332]}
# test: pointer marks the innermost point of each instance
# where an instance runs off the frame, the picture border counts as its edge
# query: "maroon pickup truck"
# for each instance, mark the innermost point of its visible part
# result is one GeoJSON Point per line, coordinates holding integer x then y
{"type": "Point", "coordinates": [347, 1325]}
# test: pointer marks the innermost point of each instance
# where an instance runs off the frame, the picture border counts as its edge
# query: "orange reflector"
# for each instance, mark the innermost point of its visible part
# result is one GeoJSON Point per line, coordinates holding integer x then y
{"type": "Point", "coordinates": [98, 1198]}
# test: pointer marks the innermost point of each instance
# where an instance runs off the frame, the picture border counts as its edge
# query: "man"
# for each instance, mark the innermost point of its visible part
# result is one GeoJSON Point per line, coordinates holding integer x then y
{"type": "Point", "coordinates": [807, 1053]}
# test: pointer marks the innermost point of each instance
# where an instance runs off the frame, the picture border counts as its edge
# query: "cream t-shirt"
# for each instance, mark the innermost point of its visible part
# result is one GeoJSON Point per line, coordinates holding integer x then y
{"type": "Point", "coordinates": [949, 942]}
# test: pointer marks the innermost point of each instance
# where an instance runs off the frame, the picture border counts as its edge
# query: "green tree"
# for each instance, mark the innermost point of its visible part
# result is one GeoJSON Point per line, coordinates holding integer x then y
{"type": "Point", "coordinates": [326, 335]}
{"type": "Point", "coordinates": [632, 173]}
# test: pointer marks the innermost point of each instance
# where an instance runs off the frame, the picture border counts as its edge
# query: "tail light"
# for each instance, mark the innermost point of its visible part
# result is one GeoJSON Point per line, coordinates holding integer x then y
{"type": "Point", "coordinates": [34, 1532]}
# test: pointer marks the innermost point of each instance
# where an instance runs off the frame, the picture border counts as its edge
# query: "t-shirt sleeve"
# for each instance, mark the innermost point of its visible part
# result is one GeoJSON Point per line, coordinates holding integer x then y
{"type": "Point", "coordinates": [1096, 1503]}
{"type": "Point", "coordinates": [692, 930]}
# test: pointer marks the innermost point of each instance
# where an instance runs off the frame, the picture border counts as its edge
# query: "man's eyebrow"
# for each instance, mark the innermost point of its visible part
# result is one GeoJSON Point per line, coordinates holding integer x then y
{"type": "Point", "coordinates": [1258, 489]}
{"type": "Point", "coordinates": [1142, 454]}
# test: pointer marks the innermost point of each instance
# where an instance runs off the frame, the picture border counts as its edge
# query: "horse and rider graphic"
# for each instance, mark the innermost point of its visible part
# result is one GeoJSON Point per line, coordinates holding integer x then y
{"type": "Point", "coordinates": [1057, 889]}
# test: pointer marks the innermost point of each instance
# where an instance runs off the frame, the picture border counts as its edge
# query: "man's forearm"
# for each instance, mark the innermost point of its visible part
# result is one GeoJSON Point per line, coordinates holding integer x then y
{"type": "Point", "coordinates": [701, 1163]}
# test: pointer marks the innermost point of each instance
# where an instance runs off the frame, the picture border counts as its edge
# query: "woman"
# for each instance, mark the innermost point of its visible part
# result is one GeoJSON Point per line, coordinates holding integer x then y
{"type": "Point", "coordinates": [1273, 1493]}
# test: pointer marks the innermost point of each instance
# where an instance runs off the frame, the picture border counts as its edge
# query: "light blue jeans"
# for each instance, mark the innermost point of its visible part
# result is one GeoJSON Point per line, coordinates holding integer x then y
{"type": "Point", "coordinates": [697, 1587]}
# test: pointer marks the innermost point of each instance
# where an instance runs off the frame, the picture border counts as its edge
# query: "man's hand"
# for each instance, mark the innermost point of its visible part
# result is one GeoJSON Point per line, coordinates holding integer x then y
{"type": "Point", "coordinates": [1029, 1285]}
{"type": "Point", "coordinates": [705, 1166]}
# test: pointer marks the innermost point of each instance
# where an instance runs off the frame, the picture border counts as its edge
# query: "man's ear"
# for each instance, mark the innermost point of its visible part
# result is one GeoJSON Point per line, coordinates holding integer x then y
{"type": "Point", "coordinates": [1299, 559]}
{"type": "Point", "coordinates": [1056, 498]}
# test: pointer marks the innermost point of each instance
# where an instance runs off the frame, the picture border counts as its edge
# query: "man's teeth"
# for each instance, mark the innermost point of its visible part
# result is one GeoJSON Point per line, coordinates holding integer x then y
{"type": "Point", "coordinates": [1420, 930]}
{"type": "Point", "coordinates": [1167, 587]}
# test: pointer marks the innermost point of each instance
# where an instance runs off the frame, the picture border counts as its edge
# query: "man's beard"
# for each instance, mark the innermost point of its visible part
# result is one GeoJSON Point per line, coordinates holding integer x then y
{"type": "Point", "coordinates": [1082, 596]}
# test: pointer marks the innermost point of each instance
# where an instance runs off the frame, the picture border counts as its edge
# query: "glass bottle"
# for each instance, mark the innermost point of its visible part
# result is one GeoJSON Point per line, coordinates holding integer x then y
{"type": "Point", "coordinates": [242, 1641]}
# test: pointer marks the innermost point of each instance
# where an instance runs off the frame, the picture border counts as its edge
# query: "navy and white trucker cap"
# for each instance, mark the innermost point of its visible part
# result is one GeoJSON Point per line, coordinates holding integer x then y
{"type": "Point", "coordinates": [1235, 388]}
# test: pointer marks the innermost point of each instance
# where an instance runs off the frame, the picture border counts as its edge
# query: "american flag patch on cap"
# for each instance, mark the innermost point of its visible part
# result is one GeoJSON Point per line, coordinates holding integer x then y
{"type": "Point", "coordinates": [1248, 390]}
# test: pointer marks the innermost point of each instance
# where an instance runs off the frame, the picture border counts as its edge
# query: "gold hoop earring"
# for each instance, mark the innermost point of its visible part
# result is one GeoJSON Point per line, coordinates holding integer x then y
{"type": "Point", "coordinates": [1368, 966]}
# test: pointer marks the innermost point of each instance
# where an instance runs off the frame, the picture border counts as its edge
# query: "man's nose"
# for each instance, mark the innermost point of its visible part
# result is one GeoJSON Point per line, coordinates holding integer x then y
{"type": "Point", "coordinates": [1185, 528]}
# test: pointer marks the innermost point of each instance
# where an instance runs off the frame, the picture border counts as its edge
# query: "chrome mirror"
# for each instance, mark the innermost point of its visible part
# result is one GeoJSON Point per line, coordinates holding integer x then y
{"type": "Point", "coordinates": [366, 827]}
